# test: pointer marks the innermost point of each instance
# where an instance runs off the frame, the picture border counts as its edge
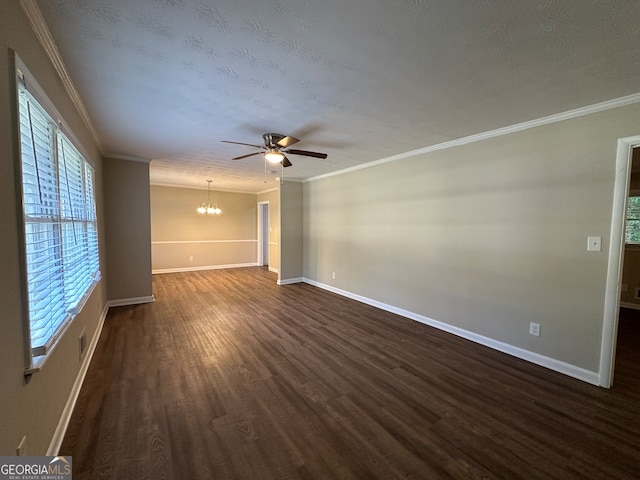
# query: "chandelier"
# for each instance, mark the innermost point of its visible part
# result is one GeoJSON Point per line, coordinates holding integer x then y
{"type": "Point", "coordinates": [208, 207]}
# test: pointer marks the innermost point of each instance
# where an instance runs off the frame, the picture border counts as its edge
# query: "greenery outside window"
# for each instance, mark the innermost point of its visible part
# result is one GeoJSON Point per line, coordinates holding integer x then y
{"type": "Point", "coordinates": [632, 230]}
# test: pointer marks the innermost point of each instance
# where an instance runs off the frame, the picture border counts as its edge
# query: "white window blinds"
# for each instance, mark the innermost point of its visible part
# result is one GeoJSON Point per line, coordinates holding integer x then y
{"type": "Point", "coordinates": [61, 238]}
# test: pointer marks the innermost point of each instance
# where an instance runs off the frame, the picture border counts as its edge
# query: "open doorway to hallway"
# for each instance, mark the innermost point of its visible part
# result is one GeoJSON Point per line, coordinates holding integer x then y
{"type": "Point", "coordinates": [630, 286]}
{"type": "Point", "coordinates": [613, 290]}
{"type": "Point", "coordinates": [263, 234]}
{"type": "Point", "coordinates": [628, 337]}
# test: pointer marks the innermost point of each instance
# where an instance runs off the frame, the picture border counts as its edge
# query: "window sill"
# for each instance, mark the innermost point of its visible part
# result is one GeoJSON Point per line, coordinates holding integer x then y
{"type": "Point", "coordinates": [37, 363]}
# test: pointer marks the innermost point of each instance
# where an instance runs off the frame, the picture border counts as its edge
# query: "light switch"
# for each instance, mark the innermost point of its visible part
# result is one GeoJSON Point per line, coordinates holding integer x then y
{"type": "Point", "coordinates": [594, 244]}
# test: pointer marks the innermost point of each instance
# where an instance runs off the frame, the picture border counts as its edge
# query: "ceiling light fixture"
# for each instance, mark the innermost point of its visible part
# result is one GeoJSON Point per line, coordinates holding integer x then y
{"type": "Point", "coordinates": [274, 156]}
{"type": "Point", "coordinates": [208, 207]}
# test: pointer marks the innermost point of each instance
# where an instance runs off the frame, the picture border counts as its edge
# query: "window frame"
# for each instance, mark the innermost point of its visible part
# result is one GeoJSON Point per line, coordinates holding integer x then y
{"type": "Point", "coordinates": [631, 194]}
{"type": "Point", "coordinates": [83, 274]}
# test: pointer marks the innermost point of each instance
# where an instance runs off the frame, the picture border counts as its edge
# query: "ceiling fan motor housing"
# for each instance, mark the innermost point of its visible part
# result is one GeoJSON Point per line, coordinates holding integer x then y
{"type": "Point", "coordinates": [272, 139]}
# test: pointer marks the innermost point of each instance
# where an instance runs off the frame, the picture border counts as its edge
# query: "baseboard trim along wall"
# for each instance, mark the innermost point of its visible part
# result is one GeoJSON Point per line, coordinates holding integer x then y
{"type": "Point", "coordinates": [274, 270]}
{"type": "Point", "coordinates": [130, 301]}
{"type": "Point", "coordinates": [206, 267]}
{"type": "Point", "coordinates": [289, 281]}
{"type": "Point", "coordinates": [547, 362]}
{"type": "Point", "coordinates": [63, 423]}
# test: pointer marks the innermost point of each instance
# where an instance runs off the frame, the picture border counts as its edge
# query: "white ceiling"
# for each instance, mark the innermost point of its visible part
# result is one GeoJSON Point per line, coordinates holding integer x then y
{"type": "Point", "coordinates": [358, 79]}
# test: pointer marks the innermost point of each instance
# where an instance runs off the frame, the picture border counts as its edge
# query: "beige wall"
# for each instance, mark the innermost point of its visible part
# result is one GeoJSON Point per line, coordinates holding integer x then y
{"type": "Point", "coordinates": [178, 232]}
{"type": "Point", "coordinates": [128, 238]}
{"type": "Point", "coordinates": [484, 237]}
{"type": "Point", "coordinates": [34, 408]}
{"type": "Point", "coordinates": [273, 197]}
{"type": "Point", "coordinates": [291, 231]}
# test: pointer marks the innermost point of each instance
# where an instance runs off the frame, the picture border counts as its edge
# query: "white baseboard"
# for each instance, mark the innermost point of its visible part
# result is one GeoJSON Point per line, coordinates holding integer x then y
{"type": "Point", "coordinates": [63, 423]}
{"type": "Point", "coordinates": [274, 270]}
{"type": "Point", "coordinates": [550, 363]}
{"type": "Point", "coordinates": [289, 281]}
{"type": "Point", "coordinates": [130, 301]}
{"type": "Point", "coordinates": [198, 269]}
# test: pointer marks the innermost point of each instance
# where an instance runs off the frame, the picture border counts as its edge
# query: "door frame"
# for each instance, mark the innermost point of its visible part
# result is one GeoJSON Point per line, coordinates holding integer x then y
{"type": "Point", "coordinates": [616, 256]}
{"type": "Point", "coordinates": [263, 233]}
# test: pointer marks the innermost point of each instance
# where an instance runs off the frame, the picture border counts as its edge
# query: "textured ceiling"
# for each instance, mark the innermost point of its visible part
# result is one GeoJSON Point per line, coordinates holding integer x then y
{"type": "Point", "coordinates": [358, 79]}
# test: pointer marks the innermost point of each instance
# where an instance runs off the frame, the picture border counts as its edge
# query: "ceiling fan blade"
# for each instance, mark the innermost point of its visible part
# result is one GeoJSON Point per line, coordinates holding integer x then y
{"type": "Point", "coordinates": [240, 143]}
{"type": "Point", "coordinates": [307, 154]}
{"type": "Point", "coordinates": [245, 156]}
{"type": "Point", "coordinates": [286, 141]}
{"type": "Point", "coordinates": [285, 162]}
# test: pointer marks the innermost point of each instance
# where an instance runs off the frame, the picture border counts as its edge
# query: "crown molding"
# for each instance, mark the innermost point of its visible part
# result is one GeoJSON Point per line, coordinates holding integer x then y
{"type": "Point", "coordinates": [275, 189]}
{"type": "Point", "coordinates": [518, 127]}
{"type": "Point", "coordinates": [130, 158]}
{"type": "Point", "coordinates": [41, 30]}
{"type": "Point", "coordinates": [193, 187]}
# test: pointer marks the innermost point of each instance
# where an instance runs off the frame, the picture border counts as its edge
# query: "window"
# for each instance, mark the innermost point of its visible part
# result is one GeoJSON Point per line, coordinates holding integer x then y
{"type": "Point", "coordinates": [60, 227]}
{"type": "Point", "coordinates": [632, 231]}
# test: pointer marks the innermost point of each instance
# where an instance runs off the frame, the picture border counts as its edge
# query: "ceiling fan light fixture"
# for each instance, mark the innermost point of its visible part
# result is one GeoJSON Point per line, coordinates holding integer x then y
{"type": "Point", "coordinates": [273, 156]}
{"type": "Point", "coordinates": [275, 150]}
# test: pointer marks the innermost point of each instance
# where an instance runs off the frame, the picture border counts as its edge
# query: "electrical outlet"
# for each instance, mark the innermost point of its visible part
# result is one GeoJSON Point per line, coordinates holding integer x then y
{"type": "Point", "coordinates": [191, 259]}
{"type": "Point", "coordinates": [534, 329]}
{"type": "Point", "coordinates": [333, 275]}
{"type": "Point", "coordinates": [21, 451]}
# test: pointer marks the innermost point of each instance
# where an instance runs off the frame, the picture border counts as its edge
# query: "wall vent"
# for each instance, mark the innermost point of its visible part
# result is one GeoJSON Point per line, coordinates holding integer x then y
{"type": "Point", "coordinates": [82, 344]}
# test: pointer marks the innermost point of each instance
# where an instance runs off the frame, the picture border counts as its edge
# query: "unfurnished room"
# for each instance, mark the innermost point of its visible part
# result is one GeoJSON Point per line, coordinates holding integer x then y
{"type": "Point", "coordinates": [294, 239]}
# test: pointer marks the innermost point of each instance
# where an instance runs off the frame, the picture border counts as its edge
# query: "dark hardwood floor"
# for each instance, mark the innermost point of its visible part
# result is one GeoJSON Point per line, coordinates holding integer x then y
{"type": "Point", "coordinates": [228, 376]}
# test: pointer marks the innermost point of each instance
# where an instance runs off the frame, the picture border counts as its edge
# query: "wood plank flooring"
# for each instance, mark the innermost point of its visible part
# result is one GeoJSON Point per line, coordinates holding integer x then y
{"type": "Point", "coordinates": [228, 376]}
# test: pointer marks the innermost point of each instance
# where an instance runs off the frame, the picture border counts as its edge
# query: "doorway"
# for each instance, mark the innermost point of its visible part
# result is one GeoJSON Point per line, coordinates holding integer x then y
{"type": "Point", "coordinates": [628, 330]}
{"type": "Point", "coordinates": [613, 289]}
{"type": "Point", "coordinates": [630, 286]}
{"type": "Point", "coordinates": [263, 234]}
